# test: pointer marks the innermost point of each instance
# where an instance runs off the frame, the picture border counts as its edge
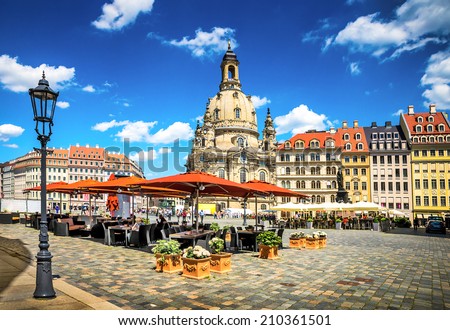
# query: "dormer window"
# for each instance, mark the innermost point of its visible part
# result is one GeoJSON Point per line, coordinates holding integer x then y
{"type": "Point", "coordinates": [429, 128]}
{"type": "Point", "coordinates": [314, 144]}
{"type": "Point", "coordinates": [382, 136]}
{"type": "Point", "coordinates": [419, 129]}
{"type": "Point", "coordinates": [358, 136]}
{"type": "Point", "coordinates": [424, 139]}
{"type": "Point", "coordinates": [419, 119]}
{"type": "Point", "coordinates": [431, 119]}
{"type": "Point", "coordinates": [388, 136]}
{"type": "Point", "coordinates": [374, 136]}
{"type": "Point", "coordinates": [348, 146]}
{"type": "Point", "coordinates": [287, 145]}
{"type": "Point", "coordinates": [441, 128]}
{"type": "Point", "coordinates": [360, 146]}
{"type": "Point", "coordinates": [346, 136]}
{"type": "Point", "coordinates": [299, 144]}
{"type": "Point", "coordinates": [329, 143]}
{"type": "Point", "coordinates": [395, 135]}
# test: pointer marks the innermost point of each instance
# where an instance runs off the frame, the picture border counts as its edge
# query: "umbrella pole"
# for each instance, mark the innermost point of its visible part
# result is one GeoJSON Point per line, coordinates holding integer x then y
{"type": "Point", "coordinates": [196, 209]}
{"type": "Point", "coordinates": [245, 212]}
{"type": "Point", "coordinates": [146, 211]}
{"type": "Point", "coordinates": [256, 211]}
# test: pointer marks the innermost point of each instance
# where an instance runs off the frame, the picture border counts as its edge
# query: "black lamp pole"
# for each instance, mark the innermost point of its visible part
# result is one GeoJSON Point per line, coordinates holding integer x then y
{"type": "Point", "coordinates": [43, 101]}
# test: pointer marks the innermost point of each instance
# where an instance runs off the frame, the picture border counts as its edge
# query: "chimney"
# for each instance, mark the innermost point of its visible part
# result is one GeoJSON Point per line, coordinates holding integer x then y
{"type": "Point", "coordinates": [355, 124]}
{"type": "Point", "coordinates": [77, 145]}
{"type": "Point", "coordinates": [87, 145]}
{"type": "Point", "coordinates": [410, 109]}
{"type": "Point", "coordinates": [432, 108]}
{"type": "Point", "coordinates": [332, 130]}
{"type": "Point", "coordinates": [344, 124]}
{"type": "Point", "coordinates": [388, 124]}
{"type": "Point", "coordinates": [374, 124]}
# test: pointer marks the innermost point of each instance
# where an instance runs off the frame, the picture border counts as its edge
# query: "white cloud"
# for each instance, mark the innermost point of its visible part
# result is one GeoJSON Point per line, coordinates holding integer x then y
{"type": "Point", "coordinates": [121, 13]}
{"type": "Point", "coordinates": [176, 131]}
{"type": "Point", "coordinates": [126, 104]}
{"type": "Point", "coordinates": [413, 26]}
{"type": "Point", "coordinates": [259, 102]}
{"type": "Point", "coordinates": [8, 131]}
{"type": "Point", "coordinates": [19, 78]}
{"type": "Point", "coordinates": [354, 69]}
{"type": "Point", "coordinates": [298, 120]}
{"type": "Point", "coordinates": [398, 112]}
{"type": "Point", "coordinates": [89, 89]}
{"type": "Point", "coordinates": [12, 145]}
{"type": "Point", "coordinates": [106, 125]}
{"type": "Point", "coordinates": [437, 80]}
{"type": "Point", "coordinates": [206, 43]}
{"type": "Point", "coordinates": [139, 131]}
{"type": "Point", "coordinates": [62, 104]}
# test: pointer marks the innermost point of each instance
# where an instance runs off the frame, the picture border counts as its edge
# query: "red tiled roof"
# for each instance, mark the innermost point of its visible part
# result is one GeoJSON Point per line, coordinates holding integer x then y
{"type": "Point", "coordinates": [306, 138]}
{"type": "Point", "coordinates": [438, 118]}
{"type": "Point", "coordinates": [352, 131]}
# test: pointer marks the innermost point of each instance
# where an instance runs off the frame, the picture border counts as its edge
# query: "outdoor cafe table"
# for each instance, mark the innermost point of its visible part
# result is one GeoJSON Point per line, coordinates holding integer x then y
{"type": "Point", "coordinates": [191, 235]}
{"type": "Point", "coordinates": [113, 229]}
{"type": "Point", "coordinates": [250, 236]}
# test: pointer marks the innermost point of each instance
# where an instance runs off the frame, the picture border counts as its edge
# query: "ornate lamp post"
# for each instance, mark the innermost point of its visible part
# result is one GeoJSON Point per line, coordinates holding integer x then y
{"type": "Point", "coordinates": [43, 101]}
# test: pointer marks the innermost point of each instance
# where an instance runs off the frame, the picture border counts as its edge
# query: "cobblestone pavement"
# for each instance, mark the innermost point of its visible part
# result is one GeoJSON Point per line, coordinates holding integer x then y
{"type": "Point", "coordinates": [359, 269]}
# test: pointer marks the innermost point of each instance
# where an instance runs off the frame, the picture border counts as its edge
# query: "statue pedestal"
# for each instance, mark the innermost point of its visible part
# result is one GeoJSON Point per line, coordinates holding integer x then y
{"type": "Point", "coordinates": [342, 196]}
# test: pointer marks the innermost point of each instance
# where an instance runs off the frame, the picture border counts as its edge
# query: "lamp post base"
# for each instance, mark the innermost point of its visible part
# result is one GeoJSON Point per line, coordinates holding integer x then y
{"type": "Point", "coordinates": [44, 278]}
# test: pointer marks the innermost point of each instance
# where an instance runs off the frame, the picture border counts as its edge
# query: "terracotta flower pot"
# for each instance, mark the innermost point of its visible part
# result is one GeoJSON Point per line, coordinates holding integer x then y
{"type": "Point", "coordinates": [322, 242]}
{"type": "Point", "coordinates": [196, 268]}
{"type": "Point", "coordinates": [168, 263]}
{"type": "Point", "coordinates": [312, 243]}
{"type": "Point", "coordinates": [268, 252]}
{"type": "Point", "coordinates": [297, 243]}
{"type": "Point", "coordinates": [220, 262]}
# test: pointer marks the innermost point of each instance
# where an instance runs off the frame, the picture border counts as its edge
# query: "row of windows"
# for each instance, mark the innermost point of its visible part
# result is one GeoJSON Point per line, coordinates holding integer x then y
{"type": "Point", "coordinates": [301, 184]}
{"type": "Point", "coordinates": [381, 186]}
{"type": "Point", "coordinates": [86, 170]}
{"type": "Point", "coordinates": [431, 153]}
{"type": "Point", "coordinates": [390, 171]}
{"type": "Point", "coordinates": [388, 145]}
{"type": "Point", "coordinates": [243, 175]}
{"type": "Point", "coordinates": [302, 157]}
{"type": "Point", "coordinates": [86, 163]}
{"type": "Point", "coordinates": [433, 183]}
{"type": "Point", "coordinates": [313, 170]}
{"type": "Point", "coordinates": [425, 201]}
{"type": "Point", "coordinates": [390, 159]}
{"type": "Point", "coordinates": [315, 144]}
{"type": "Point", "coordinates": [355, 171]}
{"type": "Point", "coordinates": [429, 128]}
{"type": "Point", "coordinates": [431, 139]}
{"type": "Point", "coordinates": [356, 185]}
{"type": "Point", "coordinates": [362, 159]}
{"type": "Point", "coordinates": [383, 135]}
{"type": "Point", "coordinates": [81, 177]}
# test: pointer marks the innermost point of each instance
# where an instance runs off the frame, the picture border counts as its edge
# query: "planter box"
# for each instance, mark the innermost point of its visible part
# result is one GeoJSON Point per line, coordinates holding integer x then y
{"type": "Point", "coordinates": [322, 242]}
{"type": "Point", "coordinates": [220, 262]}
{"type": "Point", "coordinates": [196, 268]}
{"type": "Point", "coordinates": [309, 225]}
{"type": "Point", "coordinates": [376, 226]}
{"type": "Point", "coordinates": [297, 243]}
{"type": "Point", "coordinates": [168, 263]}
{"type": "Point", "coordinates": [312, 244]}
{"type": "Point", "coordinates": [338, 225]}
{"type": "Point", "coordinates": [268, 252]}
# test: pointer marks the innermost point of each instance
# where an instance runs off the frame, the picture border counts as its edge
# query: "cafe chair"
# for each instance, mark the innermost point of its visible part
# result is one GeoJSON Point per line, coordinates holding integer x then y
{"type": "Point", "coordinates": [204, 243]}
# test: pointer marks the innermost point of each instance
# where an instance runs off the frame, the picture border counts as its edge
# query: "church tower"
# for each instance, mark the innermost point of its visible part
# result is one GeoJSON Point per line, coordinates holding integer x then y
{"type": "Point", "coordinates": [227, 143]}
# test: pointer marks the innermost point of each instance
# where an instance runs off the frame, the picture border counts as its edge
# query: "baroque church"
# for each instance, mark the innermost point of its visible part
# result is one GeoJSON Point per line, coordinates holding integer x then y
{"type": "Point", "coordinates": [228, 144]}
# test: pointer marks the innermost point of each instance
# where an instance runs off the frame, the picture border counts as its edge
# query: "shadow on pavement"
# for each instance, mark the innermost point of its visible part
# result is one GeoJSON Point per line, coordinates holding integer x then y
{"type": "Point", "coordinates": [16, 249]}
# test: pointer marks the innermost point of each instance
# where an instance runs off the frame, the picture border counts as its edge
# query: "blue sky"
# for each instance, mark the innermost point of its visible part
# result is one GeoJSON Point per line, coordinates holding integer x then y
{"type": "Point", "coordinates": [142, 71]}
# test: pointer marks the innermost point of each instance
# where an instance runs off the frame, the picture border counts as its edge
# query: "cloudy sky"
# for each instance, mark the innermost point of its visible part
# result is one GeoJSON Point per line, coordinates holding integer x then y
{"type": "Point", "coordinates": [135, 75]}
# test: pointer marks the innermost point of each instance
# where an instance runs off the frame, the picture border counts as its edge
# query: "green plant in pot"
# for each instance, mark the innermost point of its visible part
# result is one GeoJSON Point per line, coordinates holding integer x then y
{"type": "Point", "coordinates": [217, 244]}
{"type": "Point", "coordinates": [268, 244]}
{"type": "Point", "coordinates": [168, 256]}
{"type": "Point", "coordinates": [215, 227]}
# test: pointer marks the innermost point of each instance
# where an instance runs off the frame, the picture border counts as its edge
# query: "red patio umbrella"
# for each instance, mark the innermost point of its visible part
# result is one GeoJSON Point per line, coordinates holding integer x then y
{"type": "Point", "coordinates": [200, 184]}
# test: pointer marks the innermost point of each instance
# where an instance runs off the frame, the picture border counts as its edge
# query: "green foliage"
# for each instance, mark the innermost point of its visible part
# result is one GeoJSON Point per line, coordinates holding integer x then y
{"type": "Point", "coordinates": [167, 247]}
{"type": "Point", "coordinates": [268, 238]}
{"type": "Point", "coordinates": [215, 226]}
{"type": "Point", "coordinates": [217, 244]}
{"type": "Point", "coordinates": [310, 220]}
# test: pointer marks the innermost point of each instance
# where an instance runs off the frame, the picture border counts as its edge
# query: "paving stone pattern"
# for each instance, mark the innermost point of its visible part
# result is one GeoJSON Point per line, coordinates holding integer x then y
{"type": "Point", "coordinates": [358, 270]}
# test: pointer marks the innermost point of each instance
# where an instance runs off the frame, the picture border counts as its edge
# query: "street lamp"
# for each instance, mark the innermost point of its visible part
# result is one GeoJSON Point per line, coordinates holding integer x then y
{"type": "Point", "coordinates": [43, 101]}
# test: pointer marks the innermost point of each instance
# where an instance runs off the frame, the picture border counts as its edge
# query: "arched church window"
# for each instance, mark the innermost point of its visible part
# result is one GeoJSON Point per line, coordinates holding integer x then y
{"type": "Point", "coordinates": [221, 173]}
{"type": "Point", "coordinates": [237, 113]}
{"type": "Point", "coordinates": [216, 114]}
{"type": "Point", "coordinates": [262, 176]}
{"type": "Point", "coordinates": [243, 175]}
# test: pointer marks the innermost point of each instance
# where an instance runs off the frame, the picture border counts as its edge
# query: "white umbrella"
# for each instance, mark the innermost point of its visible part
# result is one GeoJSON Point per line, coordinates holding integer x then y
{"type": "Point", "coordinates": [397, 213]}
{"type": "Point", "coordinates": [366, 206]}
{"type": "Point", "coordinates": [288, 207]}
